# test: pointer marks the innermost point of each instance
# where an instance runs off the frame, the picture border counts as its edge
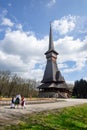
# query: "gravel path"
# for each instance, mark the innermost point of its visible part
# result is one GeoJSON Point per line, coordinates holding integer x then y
{"type": "Point", "coordinates": [8, 116]}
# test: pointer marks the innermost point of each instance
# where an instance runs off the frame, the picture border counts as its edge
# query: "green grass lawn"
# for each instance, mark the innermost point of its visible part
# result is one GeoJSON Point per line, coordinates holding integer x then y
{"type": "Point", "coordinates": [71, 118]}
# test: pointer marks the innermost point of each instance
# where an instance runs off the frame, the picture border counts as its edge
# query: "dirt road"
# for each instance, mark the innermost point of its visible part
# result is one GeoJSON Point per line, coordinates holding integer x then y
{"type": "Point", "coordinates": [8, 115]}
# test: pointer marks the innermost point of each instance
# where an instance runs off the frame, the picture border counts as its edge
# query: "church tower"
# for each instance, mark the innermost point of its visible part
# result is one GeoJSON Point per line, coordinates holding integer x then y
{"type": "Point", "coordinates": [53, 83]}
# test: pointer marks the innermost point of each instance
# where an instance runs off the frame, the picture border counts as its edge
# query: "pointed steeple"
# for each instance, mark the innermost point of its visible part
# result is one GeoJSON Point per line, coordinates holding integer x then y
{"type": "Point", "coordinates": [51, 74]}
{"type": "Point", "coordinates": [51, 46]}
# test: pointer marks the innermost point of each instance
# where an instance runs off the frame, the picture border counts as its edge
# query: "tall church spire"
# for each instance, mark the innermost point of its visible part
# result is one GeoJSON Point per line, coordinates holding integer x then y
{"type": "Point", "coordinates": [51, 46]}
{"type": "Point", "coordinates": [51, 74]}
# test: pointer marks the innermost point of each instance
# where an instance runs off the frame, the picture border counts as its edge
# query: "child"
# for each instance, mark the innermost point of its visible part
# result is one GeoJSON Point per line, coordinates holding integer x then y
{"type": "Point", "coordinates": [13, 103]}
{"type": "Point", "coordinates": [23, 102]}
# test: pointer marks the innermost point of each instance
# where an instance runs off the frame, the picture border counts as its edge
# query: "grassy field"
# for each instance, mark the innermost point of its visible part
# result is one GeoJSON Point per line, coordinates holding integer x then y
{"type": "Point", "coordinates": [71, 118]}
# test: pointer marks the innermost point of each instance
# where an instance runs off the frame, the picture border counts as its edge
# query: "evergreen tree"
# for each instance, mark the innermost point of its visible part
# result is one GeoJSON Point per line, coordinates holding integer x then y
{"type": "Point", "coordinates": [80, 89]}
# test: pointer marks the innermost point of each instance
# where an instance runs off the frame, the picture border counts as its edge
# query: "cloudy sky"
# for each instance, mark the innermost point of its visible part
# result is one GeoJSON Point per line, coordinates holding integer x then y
{"type": "Point", "coordinates": [24, 36]}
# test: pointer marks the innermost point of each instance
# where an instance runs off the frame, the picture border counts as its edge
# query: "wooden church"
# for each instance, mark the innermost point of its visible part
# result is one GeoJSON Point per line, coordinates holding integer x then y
{"type": "Point", "coordinates": [53, 83]}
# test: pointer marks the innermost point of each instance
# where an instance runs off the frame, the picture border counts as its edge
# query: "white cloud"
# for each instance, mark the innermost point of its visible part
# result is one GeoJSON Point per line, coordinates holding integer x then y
{"type": "Point", "coordinates": [65, 24]}
{"type": "Point", "coordinates": [7, 22]}
{"type": "Point", "coordinates": [72, 50]}
{"type": "Point", "coordinates": [32, 74]}
{"type": "Point", "coordinates": [19, 26]}
{"type": "Point", "coordinates": [10, 61]}
{"type": "Point", "coordinates": [62, 65]}
{"type": "Point", "coordinates": [51, 3]}
{"type": "Point", "coordinates": [18, 42]}
{"type": "Point", "coordinates": [20, 52]}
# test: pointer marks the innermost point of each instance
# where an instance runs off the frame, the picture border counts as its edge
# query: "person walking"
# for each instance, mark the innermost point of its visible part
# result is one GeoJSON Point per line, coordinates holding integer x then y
{"type": "Point", "coordinates": [23, 102]}
{"type": "Point", "coordinates": [18, 100]}
{"type": "Point", "coordinates": [13, 103]}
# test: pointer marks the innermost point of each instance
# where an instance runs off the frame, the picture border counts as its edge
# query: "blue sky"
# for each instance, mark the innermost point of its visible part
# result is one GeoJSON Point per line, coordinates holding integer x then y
{"type": "Point", "coordinates": [24, 36]}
